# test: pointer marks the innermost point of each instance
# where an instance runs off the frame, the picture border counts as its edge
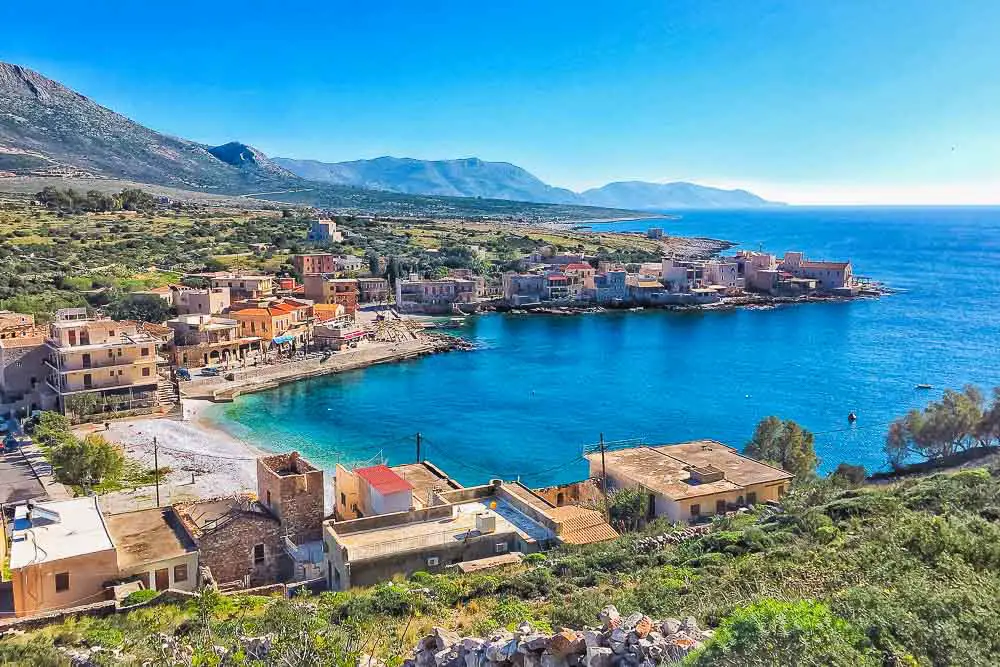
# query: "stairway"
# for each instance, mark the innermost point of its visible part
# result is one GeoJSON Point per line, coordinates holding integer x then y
{"type": "Point", "coordinates": [166, 393]}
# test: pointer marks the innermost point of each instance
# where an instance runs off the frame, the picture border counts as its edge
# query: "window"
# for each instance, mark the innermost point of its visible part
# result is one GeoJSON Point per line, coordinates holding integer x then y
{"type": "Point", "coordinates": [111, 333]}
{"type": "Point", "coordinates": [752, 498]}
{"type": "Point", "coordinates": [62, 582]}
{"type": "Point", "coordinates": [695, 510]}
{"type": "Point", "coordinates": [145, 372]}
{"type": "Point", "coordinates": [500, 547]}
{"type": "Point", "coordinates": [144, 352]}
{"type": "Point", "coordinates": [111, 354]}
{"type": "Point", "coordinates": [180, 573]}
{"type": "Point", "coordinates": [433, 561]}
{"type": "Point", "coordinates": [111, 373]}
{"type": "Point", "coordinates": [720, 506]}
{"type": "Point", "coordinates": [343, 498]}
{"type": "Point", "coordinates": [258, 554]}
{"type": "Point", "coordinates": [269, 497]}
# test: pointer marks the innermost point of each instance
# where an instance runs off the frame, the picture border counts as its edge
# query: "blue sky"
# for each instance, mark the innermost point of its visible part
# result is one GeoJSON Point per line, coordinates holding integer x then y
{"type": "Point", "coordinates": [872, 101]}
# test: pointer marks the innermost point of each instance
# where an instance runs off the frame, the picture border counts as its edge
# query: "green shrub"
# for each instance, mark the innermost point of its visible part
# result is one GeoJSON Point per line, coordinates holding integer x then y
{"type": "Point", "coordinates": [138, 597]}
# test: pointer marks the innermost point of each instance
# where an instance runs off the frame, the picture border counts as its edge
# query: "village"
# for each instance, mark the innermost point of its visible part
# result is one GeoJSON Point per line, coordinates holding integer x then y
{"type": "Point", "coordinates": [290, 523]}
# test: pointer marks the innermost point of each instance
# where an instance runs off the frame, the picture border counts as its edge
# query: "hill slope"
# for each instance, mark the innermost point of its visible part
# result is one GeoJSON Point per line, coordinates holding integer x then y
{"type": "Point", "coordinates": [642, 195]}
{"type": "Point", "coordinates": [472, 177]}
{"type": "Point", "coordinates": [45, 126]}
{"type": "Point", "coordinates": [469, 177]}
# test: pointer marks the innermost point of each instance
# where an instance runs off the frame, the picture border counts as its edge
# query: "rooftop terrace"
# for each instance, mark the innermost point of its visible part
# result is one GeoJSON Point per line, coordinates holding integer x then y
{"type": "Point", "coordinates": [148, 536]}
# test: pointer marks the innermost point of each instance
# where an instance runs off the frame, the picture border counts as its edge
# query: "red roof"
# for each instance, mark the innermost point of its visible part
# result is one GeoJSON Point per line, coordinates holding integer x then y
{"type": "Point", "coordinates": [578, 267]}
{"type": "Point", "coordinates": [383, 479]}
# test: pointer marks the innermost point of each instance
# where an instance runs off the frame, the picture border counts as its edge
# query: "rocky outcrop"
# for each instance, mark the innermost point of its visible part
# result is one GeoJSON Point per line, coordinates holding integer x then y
{"type": "Point", "coordinates": [632, 641]}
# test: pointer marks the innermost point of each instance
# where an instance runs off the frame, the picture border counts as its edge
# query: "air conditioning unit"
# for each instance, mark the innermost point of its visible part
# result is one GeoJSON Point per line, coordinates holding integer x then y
{"type": "Point", "coordinates": [433, 561]}
{"type": "Point", "coordinates": [486, 522]}
{"type": "Point", "coordinates": [501, 547]}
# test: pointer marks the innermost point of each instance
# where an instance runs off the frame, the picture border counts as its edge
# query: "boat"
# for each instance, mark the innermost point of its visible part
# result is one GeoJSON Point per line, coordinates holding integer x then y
{"type": "Point", "coordinates": [924, 386]}
{"type": "Point", "coordinates": [852, 418]}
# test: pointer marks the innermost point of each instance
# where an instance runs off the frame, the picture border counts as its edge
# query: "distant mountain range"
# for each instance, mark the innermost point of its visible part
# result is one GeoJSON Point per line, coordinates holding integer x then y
{"type": "Point", "coordinates": [47, 129]}
{"type": "Point", "coordinates": [472, 177]}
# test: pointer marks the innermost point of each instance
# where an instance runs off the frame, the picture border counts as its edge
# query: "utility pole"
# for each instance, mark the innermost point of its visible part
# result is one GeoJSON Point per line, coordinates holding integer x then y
{"type": "Point", "coordinates": [156, 470]}
{"type": "Point", "coordinates": [418, 447]}
{"type": "Point", "coordinates": [604, 470]}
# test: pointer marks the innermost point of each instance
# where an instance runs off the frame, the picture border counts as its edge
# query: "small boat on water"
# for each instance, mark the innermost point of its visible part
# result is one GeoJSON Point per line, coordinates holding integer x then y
{"type": "Point", "coordinates": [852, 418]}
{"type": "Point", "coordinates": [924, 386]}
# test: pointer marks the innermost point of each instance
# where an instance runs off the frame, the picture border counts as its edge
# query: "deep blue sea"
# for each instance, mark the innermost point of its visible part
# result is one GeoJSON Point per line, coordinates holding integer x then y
{"type": "Point", "coordinates": [541, 388]}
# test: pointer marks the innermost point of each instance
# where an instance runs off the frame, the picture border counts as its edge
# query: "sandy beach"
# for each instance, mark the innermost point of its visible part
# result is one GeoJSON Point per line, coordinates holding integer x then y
{"type": "Point", "coordinates": [192, 448]}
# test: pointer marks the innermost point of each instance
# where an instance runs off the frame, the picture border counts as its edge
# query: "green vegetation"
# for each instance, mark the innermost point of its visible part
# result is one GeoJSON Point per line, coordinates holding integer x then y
{"type": "Point", "coordinates": [784, 444]}
{"type": "Point", "coordinates": [901, 574]}
{"type": "Point", "coordinates": [86, 462]}
{"type": "Point", "coordinates": [75, 251]}
{"type": "Point", "coordinates": [141, 308]}
{"type": "Point", "coordinates": [959, 422]}
{"type": "Point", "coordinates": [138, 597]}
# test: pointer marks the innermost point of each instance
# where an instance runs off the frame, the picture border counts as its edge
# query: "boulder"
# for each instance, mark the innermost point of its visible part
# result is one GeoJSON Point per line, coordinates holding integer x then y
{"type": "Point", "coordinates": [534, 643]}
{"type": "Point", "coordinates": [598, 656]}
{"type": "Point", "coordinates": [617, 641]}
{"type": "Point", "coordinates": [643, 626]}
{"type": "Point", "coordinates": [592, 638]}
{"type": "Point", "coordinates": [444, 638]}
{"type": "Point", "coordinates": [670, 627]}
{"type": "Point", "coordinates": [610, 618]}
{"type": "Point", "coordinates": [565, 642]}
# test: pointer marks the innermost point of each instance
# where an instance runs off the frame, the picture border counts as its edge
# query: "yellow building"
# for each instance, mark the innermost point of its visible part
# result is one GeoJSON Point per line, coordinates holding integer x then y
{"type": "Point", "coordinates": [691, 479]}
{"type": "Point", "coordinates": [112, 364]}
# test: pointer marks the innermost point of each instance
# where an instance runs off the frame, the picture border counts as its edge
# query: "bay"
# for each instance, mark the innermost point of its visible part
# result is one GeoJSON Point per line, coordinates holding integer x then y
{"type": "Point", "coordinates": [541, 388]}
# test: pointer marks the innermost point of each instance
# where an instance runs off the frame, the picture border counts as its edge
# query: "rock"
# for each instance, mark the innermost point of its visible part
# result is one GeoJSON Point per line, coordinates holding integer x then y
{"type": "Point", "coordinates": [592, 638]}
{"type": "Point", "coordinates": [598, 656]}
{"type": "Point", "coordinates": [644, 626]}
{"type": "Point", "coordinates": [610, 618]}
{"type": "Point", "coordinates": [629, 622]}
{"type": "Point", "coordinates": [534, 643]}
{"type": "Point", "coordinates": [257, 648]}
{"type": "Point", "coordinates": [565, 642]}
{"type": "Point", "coordinates": [670, 627]}
{"type": "Point", "coordinates": [444, 638]}
{"type": "Point", "coordinates": [523, 629]}
{"type": "Point", "coordinates": [501, 651]}
{"type": "Point", "coordinates": [617, 640]}
{"type": "Point", "coordinates": [690, 625]}
{"type": "Point", "coordinates": [550, 660]}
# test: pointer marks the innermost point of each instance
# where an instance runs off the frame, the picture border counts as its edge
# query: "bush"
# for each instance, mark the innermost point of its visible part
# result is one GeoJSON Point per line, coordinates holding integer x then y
{"type": "Point", "coordinates": [138, 597]}
{"type": "Point", "coordinates": [769, 632]}
{"type": "Point", "coordinates": [88, 461]}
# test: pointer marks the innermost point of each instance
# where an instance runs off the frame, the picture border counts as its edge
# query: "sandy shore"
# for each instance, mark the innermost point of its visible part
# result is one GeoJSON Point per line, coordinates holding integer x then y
{"type": "Point", "coordinates": [218, 463]}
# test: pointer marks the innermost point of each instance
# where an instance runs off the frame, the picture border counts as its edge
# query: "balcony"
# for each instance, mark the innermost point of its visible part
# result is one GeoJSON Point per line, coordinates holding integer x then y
{"type": "Point", "coordinates": [101, 364]}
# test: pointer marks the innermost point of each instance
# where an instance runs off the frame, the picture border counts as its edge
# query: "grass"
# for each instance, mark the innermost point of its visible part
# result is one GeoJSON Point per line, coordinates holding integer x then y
{"type": "Point", "coordinates": [903, 574]}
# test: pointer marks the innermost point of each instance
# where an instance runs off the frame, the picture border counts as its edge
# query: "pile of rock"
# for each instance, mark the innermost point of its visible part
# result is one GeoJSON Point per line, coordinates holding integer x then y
{"type": "Point", "coordinates": [654, 543]}
{"type": "Point", "coordinates": [631, 641]}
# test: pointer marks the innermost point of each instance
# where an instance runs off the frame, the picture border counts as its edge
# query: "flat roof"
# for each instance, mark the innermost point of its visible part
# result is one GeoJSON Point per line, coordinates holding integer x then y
{"type": "Point", "coordinates": [147, 536]}
{"type": "Point", "coordinates": [664, 469]}
{"type": "Point", "coordinates": [79, 530]}
{"type": "Point", "coordinates": [424, 478]}
{"type": "Point", "coordinates": [419, 535]}
{"type": "Point", "coordinates": [204, 516]}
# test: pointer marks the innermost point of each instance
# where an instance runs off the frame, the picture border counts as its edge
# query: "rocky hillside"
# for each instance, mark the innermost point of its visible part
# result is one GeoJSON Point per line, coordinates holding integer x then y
{"type": "Point", "coordinates": [46, 128]}
{"type": "Point", "coordinates": [472, 177]}
{"type": "Point", "coordinates": [469, 177]}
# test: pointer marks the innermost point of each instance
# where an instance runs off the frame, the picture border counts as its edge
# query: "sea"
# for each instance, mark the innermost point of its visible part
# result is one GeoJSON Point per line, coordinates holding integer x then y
{"type": "Point", "coordinates": [541, 390]}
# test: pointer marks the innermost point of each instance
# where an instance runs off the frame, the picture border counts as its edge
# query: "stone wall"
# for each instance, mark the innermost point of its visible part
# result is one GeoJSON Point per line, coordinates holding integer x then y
{"type": "Point", "coordinates": [292, 488]}
{"type": "Point", "coordinates": [228, 550]}
{"type": "Point", "coordinates": [618, 642]}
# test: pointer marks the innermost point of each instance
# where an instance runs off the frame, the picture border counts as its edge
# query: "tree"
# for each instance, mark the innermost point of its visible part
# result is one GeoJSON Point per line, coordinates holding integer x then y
{"type": "Point", "coordinates": [140, 307]}
{"type": "Point", "coordinates": [52, 429]}
{"type": "Point", "coordinates": [88, 461]}
{"type": "Point", "coordinates": [784, 444]}
{"type": "Point", "coordinates": [373, 264]}
{"type": "Point", "coordinates": [850, 475]}
{"type": "Point", "coordinates": [956, 423]}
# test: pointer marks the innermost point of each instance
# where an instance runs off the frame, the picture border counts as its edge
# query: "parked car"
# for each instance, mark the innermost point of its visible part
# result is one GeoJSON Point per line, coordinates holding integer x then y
{"type": "Point", "coordinates": [209, 371]}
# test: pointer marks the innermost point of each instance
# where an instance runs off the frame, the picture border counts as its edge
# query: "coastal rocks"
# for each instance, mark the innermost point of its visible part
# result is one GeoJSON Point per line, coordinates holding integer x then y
{"type": "Point", "coordinates": [636, 640]}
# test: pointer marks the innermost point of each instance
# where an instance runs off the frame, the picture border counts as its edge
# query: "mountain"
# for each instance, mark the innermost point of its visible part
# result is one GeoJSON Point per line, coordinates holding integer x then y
{"type": "Point", "coordinates": [47, 128]}
{"type": "Point", "coordinates": [664, 196]}
{"type": "Point", "coordinates": [468, 177]}
{"type": "Point", "coordinates": [472, 177]}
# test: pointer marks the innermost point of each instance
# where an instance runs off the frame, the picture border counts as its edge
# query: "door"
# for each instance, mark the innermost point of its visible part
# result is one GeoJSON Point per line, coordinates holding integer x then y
{"type": "Point", "coordinates": [86, 360]}
{"type": "Point", "coordinates": [88, 381]}
{"type": "Point", "coordinates": [162, 579]}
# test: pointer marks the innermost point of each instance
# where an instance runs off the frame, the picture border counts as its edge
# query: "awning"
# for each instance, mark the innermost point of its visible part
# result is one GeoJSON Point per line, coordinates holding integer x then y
{"type": "Point", "coordinates": [281, 340]}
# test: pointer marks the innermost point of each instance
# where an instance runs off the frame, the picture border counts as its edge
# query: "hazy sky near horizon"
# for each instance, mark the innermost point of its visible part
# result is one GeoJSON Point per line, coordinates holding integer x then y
{"type": "Point", "coordinates": [867, 101]}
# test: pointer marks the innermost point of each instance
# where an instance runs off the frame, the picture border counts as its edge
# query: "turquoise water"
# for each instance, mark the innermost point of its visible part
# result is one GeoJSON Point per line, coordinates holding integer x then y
{"type": "Point", "coordinates": [543, 387]}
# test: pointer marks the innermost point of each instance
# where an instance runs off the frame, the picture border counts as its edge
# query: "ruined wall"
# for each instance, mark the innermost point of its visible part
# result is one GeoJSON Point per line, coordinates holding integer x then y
{"type": "Point", "coordinates": [228, 550]}
{"type": "Point", "coordinates": [292, 490]}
